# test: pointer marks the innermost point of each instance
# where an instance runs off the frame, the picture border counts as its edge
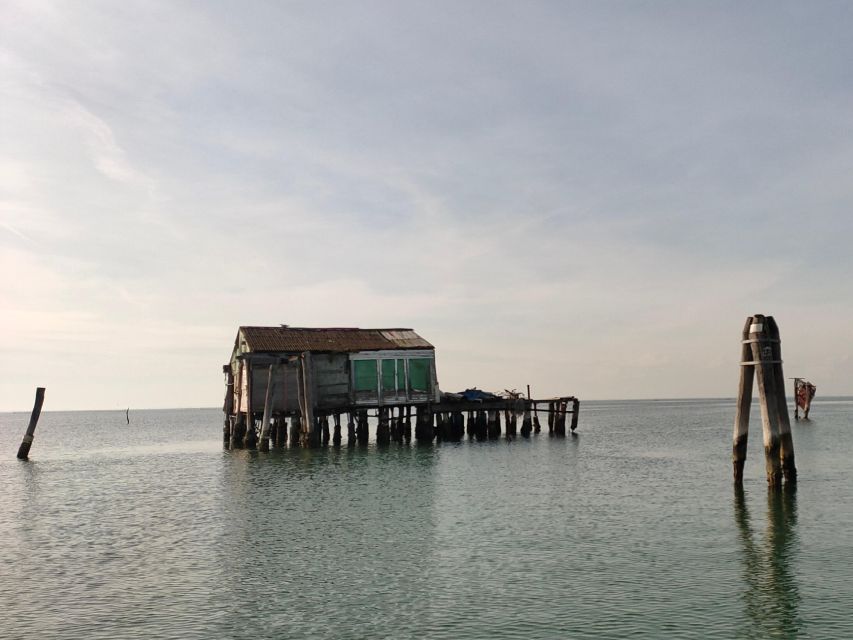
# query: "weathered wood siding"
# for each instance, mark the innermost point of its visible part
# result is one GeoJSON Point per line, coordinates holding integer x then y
{"type": "Point", "coordinates": [332, 380]}
{"type": "Point", "coordinates": [284, 381]}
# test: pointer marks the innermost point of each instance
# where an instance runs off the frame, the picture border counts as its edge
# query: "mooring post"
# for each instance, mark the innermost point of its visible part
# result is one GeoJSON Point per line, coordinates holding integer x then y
{"type": "Point", "coordinates": [26, 443]}
{"type": "Point", "coordinates": [363, 431]}
{"type": "Point", "coordinates": [250, 435]}
{"type": "Point", "coordinates": [576, 407]}
{"type": "Point", "coordinates": [264, 442]}
{"type": "Point", "coordinates": [310, 428]}
{"type": "Point", "coordinates": [350, 429]}
{"type": "Point", "coordinates": [383, 431]}
{"type": "Point", "coordinates": [227, 409]}
{"type": "Point", "coordinates": [744, 402]}
{"type": "Point", "coordinates": [760, 341]}
{"type": "Point", "coordinates": [786, 441]}
{"type": "Point", "coordinates": [796, 399]}
{"type": "Point", "coordinates": [336, 433]}
{"type": "Point", "coordinates": [526, 422]}
{"type": "Point", "coordinates": [295, 431]}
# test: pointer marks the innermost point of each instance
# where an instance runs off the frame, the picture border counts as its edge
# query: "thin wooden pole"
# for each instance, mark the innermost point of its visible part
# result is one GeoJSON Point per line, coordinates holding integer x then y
{"type": "Point", "coordinates": [264, 444]}
{"type": "Point", "coordinates": [576, 409]}
{"type": "Point", "coordinates": [786, 441]}
{"type": "Point", "coordinates": [762, 355]}
{"type": "Point", "coordinates": [26, 443]}
{"type": "Point", "coordinates": [796, 399]}
{"type": "Point", "coordinates": [249, 440]}
{"type": "Point", "coordinates": [227, 409]}
{"type": "Point", "coordinates": [744, 402]}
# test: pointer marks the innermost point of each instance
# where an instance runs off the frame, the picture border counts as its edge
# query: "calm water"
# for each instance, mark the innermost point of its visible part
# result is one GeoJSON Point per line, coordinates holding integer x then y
{"type": "Point", "coordinates": [630, 529]}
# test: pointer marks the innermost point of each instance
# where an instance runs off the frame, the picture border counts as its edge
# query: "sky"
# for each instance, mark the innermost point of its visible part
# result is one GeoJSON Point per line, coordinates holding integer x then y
{"type": "Point", "coordinates": [587, 197]}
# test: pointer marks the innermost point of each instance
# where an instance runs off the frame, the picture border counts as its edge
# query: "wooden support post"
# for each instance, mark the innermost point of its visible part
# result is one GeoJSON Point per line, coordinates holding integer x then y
{"type": "Point", "coordinates": [336, 436]}
{"type": "Point", "coordinates": [383, 430]}
{"type": "Point", "coordinates": [295, 431]}
{"type": "Point", "coordinates": [536, 426]}
{"type": "Point", "coordinates": [324, 427]}
{"type": "Point", "coordinates": [526, 422]}
{"type": "Point", "coordinates": [363, 432]}
{"type": "Point", "coordinates": [238, 430]}
{"type": "Point", "coordinates": [786, 441]}
{"type": "Point", "coordinates": [511, 424]}
{"type": "Point", "coordinates": [396, 424]}
{"type": "Point", "coordinates": [264, 441]}
{"type": "Point", "coordinates": [237, 425]}
{"type": "Point", "coordinates": [551, 414]}
{"type": "Point", "coordinates": [280, 431]}
{"type": "Point", "coordinates": [350, 429]}
{"type": "Point", "coordinates": [576, 407]}
{"type": "Point", "coordinates": [424, 431]}
{"type": "Point", "coordinates": [27, 441]}
{"type": "Point", "coordinates": [310, 428]}
{"type": "Point", "coordinates": [407, 425]}
{"type": "Point", "coordinates": [251, 436]}
{"type": "Point", "coordinates": [744, 402]}
{"type": "Point", "coordinates": [762, 355]}
{"type": "Point", "coordinates": [796, 399]}
{"type": "Point", "coordinates": [482, 423]}
{"type": "Point", "coordinates": [560, 418]}
{"type": "Point", "coordinates": [228, 407]}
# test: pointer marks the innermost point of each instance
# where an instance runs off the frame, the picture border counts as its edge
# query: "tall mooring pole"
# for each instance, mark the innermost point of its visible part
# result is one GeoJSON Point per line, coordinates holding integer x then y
{"type": "Point", "coordinates": [761, 358]}
{"type": "Point", "coordinates": [26, 443]}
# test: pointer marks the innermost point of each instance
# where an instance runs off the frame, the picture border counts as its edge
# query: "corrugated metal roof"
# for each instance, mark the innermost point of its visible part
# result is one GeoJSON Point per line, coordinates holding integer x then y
{"type": "Point", "coordinates": [405, 339]}
{"type": "Point", "coordinates": [341, 340]}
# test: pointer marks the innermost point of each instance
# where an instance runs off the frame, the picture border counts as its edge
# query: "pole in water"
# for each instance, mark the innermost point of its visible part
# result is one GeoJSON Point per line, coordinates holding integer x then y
{"type": "Point", "coordinates": [127, 415]}
{"type": "Point", "coordinates": [24, 449]}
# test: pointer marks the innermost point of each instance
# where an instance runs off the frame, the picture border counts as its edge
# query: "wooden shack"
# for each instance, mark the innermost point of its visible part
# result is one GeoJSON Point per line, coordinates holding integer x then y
{"type": "Point", "coordinates": [334, 369]}
{"type": "Point", "coordinates": [309, 375]}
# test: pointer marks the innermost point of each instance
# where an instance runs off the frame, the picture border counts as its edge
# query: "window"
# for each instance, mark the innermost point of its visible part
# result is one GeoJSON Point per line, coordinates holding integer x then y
{"type": "Point", "coordinates": [419, 374]}
{"type": "Point", "coordinates": [389, 376]}
{"type": "Point", "coordinates": [364, 372]}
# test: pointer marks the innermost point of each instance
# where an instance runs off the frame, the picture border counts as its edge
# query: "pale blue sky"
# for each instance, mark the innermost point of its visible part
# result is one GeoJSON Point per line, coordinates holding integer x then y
{"type": "Point", "coordinates": [587, 197]}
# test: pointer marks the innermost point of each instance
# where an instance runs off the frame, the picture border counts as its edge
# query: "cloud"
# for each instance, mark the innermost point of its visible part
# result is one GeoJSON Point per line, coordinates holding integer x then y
{"type": "Point", "coordinates": [587, 198]}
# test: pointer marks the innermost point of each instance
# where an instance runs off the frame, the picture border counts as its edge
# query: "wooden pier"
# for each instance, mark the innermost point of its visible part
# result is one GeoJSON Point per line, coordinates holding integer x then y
{"type": "Point", "coordinates": [304, 385]}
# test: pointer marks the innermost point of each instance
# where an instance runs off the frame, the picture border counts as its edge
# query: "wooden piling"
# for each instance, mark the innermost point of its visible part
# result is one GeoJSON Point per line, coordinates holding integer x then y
{"type": "Point", "coordinates": [786, 441]}
{"type": "Point", "coordinates": [336, 435]}
{"type": "Point", "coordinates": [250, 417]}
{"type": "Point", "coordinates": [351, 438]}
{"type": "Point", "coordinates": [407, 425]}
{"type": "Point", "coordinates": [383, 429]}
{"type": "Point", "coordinates": [424, 432]}
{"type": "Point", "coordinates": [227, 409]}
{"type": "Point", "coordinates": [27, 441]}
{"type": "Point", "coordinates": [744, 402]}
{"type": "Point", "coordinates": [264, 441]}
{"type": "Point", "coordinates": [363, 432]}
{"type": "Point", "coordinates": [310, 426]}
{"type": "Point", "coordinates": [576, 408]}
{"type": "Point", "coordinates": [536, 426]}
{"type": "Point", "coordinates": [762, 355]}
{"type": "Point", "coordinates": [295, 431]}
{"type": "Point", "coordinates": [280, 437]}
{"type": "Point", "coordinates": [527, 422]}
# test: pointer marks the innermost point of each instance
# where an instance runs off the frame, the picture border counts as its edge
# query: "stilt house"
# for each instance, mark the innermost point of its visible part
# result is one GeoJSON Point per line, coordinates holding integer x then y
{"type": "Point", "coordinates": [336, 369]}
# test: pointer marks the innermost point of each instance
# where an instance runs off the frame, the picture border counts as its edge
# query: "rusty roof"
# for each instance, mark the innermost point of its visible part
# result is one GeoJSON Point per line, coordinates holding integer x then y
{"type": "Point", "coordinates": [340, 340]}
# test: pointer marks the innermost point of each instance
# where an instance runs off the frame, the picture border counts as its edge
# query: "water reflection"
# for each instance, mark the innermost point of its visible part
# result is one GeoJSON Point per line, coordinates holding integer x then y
{"type": "Point", "coordinates": [771, 597]}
